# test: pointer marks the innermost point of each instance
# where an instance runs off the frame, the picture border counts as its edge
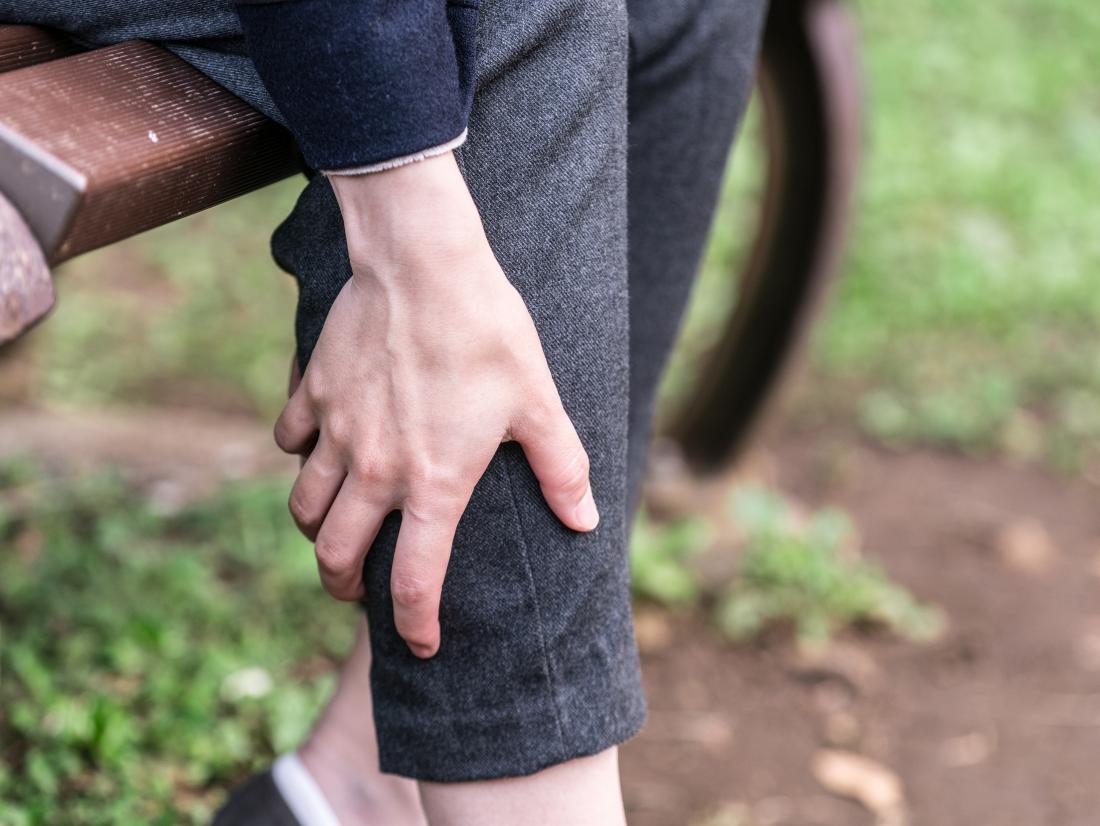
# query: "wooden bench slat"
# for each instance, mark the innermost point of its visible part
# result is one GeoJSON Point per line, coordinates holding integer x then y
{"type": "Point", "coordinates": [105, 144]}
{"type": "Point", "coordinates": [29, 45]}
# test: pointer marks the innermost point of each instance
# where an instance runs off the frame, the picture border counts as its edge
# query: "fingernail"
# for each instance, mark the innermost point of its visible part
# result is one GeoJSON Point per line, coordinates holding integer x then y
{"type": "Point", "coordinates": [586, 514]}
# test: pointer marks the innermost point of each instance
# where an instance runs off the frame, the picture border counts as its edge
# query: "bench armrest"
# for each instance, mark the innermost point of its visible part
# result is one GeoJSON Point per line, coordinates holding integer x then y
{"type": "Point", "coordinates": [100, 145]}
{"type": "Point", "coordinates": [103, 145]}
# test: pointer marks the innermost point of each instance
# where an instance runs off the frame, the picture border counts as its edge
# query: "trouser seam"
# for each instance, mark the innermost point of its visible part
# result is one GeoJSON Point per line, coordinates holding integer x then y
{"type": "Point", "coordinates": [529, 573]}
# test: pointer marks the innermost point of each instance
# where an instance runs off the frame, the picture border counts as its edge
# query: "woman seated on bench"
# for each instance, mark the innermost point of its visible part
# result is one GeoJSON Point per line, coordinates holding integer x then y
{"type": "Point", "coordinates": [492, 267]}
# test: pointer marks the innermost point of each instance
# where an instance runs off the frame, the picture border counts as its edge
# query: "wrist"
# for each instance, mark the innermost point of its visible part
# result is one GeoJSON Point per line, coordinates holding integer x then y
{"type": "Point", "coordinates": [422, 207]}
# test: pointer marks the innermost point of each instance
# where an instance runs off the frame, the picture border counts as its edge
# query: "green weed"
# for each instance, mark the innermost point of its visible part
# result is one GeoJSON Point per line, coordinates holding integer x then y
{"type": "Point", "coordinates": [148, 661]}
{"type": "Point", "coordinates": [658, 557]}
{"type": "Point", "coordinates": [805, 575]}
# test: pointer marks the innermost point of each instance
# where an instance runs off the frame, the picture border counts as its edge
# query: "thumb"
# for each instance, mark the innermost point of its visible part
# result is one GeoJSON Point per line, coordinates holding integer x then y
{"type": "Point", "coordinates": [560, 463]}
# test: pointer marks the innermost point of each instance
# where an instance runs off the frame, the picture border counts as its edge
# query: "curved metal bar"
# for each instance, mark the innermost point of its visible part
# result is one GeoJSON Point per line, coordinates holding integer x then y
{"type": "Point", "coordinates": [810, 88]}
{"type": "Point", "coordinates": [26, 289]}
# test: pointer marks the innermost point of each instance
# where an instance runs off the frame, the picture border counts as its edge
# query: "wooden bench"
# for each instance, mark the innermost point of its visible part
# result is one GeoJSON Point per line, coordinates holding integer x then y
{"type": "Point", "coordinates": [101, 145]}
{"type": "Point", "coordinates": [96, 146]}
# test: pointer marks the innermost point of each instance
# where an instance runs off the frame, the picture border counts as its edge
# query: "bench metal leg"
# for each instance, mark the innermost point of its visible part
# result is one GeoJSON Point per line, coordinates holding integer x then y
{"type": "Point", "coordinates": [26, 289]}
{"type": "Point", "coordinates": [811, 91]}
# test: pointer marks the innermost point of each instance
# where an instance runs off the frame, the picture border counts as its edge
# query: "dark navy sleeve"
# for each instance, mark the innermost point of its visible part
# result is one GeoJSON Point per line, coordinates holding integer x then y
{"type": "Point", "coordinates": [362, 82]}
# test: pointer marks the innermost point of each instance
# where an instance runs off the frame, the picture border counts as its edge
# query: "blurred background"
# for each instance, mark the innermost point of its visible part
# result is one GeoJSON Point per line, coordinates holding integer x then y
{"type": "Point", "coordinates": [888, 612]}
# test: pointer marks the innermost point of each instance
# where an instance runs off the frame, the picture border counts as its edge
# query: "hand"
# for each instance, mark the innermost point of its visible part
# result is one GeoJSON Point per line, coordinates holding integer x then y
{"type": "Point", "coordinates": [427, 362]}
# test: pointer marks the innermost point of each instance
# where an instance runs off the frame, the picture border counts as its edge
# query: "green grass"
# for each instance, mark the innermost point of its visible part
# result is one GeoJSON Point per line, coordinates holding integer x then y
{"type": "Point", "coordinates": [970, 305]}
{"type": "Point", "coordinates": [806, 574]}
{"type": "Point", "coordinates": [798, 573]}
{"type": "Point", "coordinates": [150, 660]}
{"type": "Point", "coordinates": [659, 553]}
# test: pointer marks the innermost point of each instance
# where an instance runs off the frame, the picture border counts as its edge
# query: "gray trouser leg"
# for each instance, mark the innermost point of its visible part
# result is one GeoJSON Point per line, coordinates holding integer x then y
{"type": "Point", "coordinates": [538, 663]}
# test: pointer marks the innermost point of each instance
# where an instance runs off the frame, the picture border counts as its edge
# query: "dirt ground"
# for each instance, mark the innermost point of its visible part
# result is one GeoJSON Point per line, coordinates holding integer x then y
{"type": "Point", "coordinates": [995, 723]}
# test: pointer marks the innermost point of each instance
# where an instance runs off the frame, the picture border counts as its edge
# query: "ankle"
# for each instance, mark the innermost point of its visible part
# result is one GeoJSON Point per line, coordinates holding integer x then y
{"type": "Point", "coordinates": [359, 794]}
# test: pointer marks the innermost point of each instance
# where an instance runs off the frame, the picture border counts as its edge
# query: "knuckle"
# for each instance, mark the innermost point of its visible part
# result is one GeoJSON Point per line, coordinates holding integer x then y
{"type": "Point", "coordinates": [338, 428]}
{"type": "Point", "coordinates": [421, 474]}
{"type": "Point", "coordinates": [435, 507]}
{"type": "Point", "coordinates": [573, 477]}
{"type": "Point", "coordinates": [313, 387]}
{"type": "Point", "coordinates": [542, 411]}
{"type": "Point", "coordinates": [410, 591]}
{"type": "Point", "coordinates": [332, 557]}
{"type": "Point", "coordinates": [300, 507]}
{"type": "Point", "coordinates": [433, 477]}
{"type": "Point", "coordinates": [441, 499]}
{"type": "Point", "coordinates": [368, 472]}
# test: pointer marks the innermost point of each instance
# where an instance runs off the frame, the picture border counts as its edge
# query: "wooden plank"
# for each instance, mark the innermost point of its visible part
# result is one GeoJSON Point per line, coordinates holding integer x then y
{"type": "Point", "coordinates": [103, 145]}
{"type": "Point", "coordinates": [29, 45]}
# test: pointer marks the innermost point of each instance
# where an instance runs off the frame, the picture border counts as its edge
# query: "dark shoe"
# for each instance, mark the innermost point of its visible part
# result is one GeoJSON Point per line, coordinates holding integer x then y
{"type": "Point", "coordinates": [257, 802]}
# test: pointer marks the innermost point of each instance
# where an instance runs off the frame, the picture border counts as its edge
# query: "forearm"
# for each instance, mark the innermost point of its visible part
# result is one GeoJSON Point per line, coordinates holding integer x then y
{"type": "Point", "coordinates": [423, 209]}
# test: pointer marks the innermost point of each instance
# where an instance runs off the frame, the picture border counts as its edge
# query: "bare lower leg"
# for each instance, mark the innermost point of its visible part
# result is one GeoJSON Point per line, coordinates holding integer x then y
{"type": "Point", "coordinates": [341, 754]}
{"type": "Point", "coordinates": [581, 792]}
